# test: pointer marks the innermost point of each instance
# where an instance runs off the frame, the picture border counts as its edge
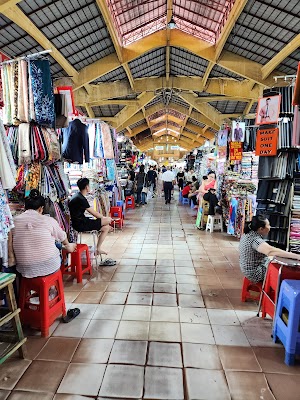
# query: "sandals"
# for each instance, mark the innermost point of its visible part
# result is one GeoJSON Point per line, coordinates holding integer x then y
{"type": "Point", "coordinates": [71, 314]}
{"type": "Point", "coordinates": [109, 262]}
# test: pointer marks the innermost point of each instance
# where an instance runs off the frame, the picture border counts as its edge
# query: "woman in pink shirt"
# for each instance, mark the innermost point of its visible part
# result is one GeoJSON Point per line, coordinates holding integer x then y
{"type": "Point", "coordinates": [33, 240]}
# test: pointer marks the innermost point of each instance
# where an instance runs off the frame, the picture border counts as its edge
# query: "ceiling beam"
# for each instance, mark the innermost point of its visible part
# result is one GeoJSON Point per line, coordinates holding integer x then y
{"type": "Point", "coordinates": [137, 130]}
{"type": "Point", "coordinates": [217, 86]}
{"type": "Point", "coordinates": [5, 4]}
{"type": "Point", "coordinates": [18, 17]}
{"type": "Point", "coordinates": [90, 111]}
{"type": "Point", "coordinates": [230, 61]}
{"type": "Point", "coordinates": [130, 110]}
{"type": "Point", "coordinates": [248, 107]}
{"type": "Point", "coordinates": [208, 99]}
{"type": "Point", "coordinates": [129, 75]}
{"type": "Point", "coordinates": [233, 16]}
{"type": "Point", "coordinates": [288, 49]}
{"type": "Point", "coordinates": [209, 67]}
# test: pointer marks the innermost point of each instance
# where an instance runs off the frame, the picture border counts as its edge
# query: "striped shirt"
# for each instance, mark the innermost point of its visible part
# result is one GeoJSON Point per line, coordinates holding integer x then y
{"type": "Point", "coordinates": [251, 260]}
{"type": "Point", "coordinates": [34, 237]}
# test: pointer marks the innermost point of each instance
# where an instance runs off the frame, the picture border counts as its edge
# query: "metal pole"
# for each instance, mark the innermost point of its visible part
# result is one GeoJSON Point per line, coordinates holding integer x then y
{"type": "Point", "coordinates": [25, 57]}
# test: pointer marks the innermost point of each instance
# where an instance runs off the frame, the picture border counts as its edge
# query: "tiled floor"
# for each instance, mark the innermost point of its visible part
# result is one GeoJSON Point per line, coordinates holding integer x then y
{"type": "Point", "coordinates": [165, 323]}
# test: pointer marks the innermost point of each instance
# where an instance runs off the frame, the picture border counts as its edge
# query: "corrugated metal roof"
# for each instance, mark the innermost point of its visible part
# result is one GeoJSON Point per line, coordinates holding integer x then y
{"type": "Point", "coordinates": [156, 100]}
{"type": "Point", "coordinates": [82, 110]}
{"type": "Point", "coordinates": [196, 122]}
{"type": "Point", "coordinates": [253, 108]}
{"type": "Point", "coordinates": [152, 63]}
{"type": "Point", "coordinates": [107, 110]}
{"type": "Point", "coordinates": [75, 27]}
{"type": "Point", "coordinates": [178, 100]}
{"type": "Point", "coordinates": [117, 74]}
{"type": "Point", "coordinates": [264, 28]}
{"type": "Point", "coordinates": [290, 64]}
{"type": "Point", "coordinates": [219, 72]}
{"type": "Point", "coordinates": [141, 122]}
{"type": "Point", "coordinates": [15, 42]}
{"type": "Point", "coordinates": [185, 63]}
{"type": "Point", "coordinates": [229, 107]}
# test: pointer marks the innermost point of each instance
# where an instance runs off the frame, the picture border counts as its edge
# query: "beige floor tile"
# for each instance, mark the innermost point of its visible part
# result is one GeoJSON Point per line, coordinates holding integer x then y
{"type": "Point", "coordinates": [120, 287]}
{"type": "Point", "coordinates": [145, 269]}
{"type": "Point", "coordinates": [123, 381]}
{"type": "Point", "coordinates": [271, 360]}
{"type": "Point", "coordinates": [86, 310]}
{"type": "Point", "coordinates": [34, 345]}
{"type": "Point", "coordinates": [93, 351]}
{"type": "Point", "coordinates": [141, 287]}
{"type": "Point", "coordinates": [218, 302]}
{"type": "Point", "coordinates": [114, 298]}
{"type": "Point", "coordinates": [133, 330]}
{"type": "Point", "coordinates": [74, 329]}
{"type": "Point", "coordinates": [122, 277]}
{"type": "Point", "coordinates": [129, 352]}
{"type": "Point", "coordinates": [164, 332]}
{"type": "Point", "coordinates": [22, 395]}
{"type": "Point", "coordinates": [165, 278]}
{"type": "Point", "coordinates": [230, 335]}
{"type": "Point", "coordinates": [206, 384]}
{"type": "Point", "coordinates": [165, 355]}
{"type": "Point", "coordinates": [84, 379]}
{"type": "Point", "coordinates": [201, 356]}
{"type": "Point", "coordinates": [285, 387]}
{"type": "Point", "coordinates": [95, 286]}
{"type": "Point", "coordinates": [187, 300]}
{"type": "Point", "coordinates": [223, 317]}
{"type": "Point", "coordinates": [197, 333]}
{"type": "Point", "coordinates": [138, 277]}
{"type": "Point", "coordinates": [109, 311]}
{"type": "Point", "coordinates": [88, 298]}
{"type": "Point", "coordinates": [101, 329]}
{"type": "Point", "coordinates": [163, 383]}
{"type": "Point", "coordinates": [194, 315]}
{"type": "Point", "coordinates": [165, 299]}
{"type": "Point", "coordinates": [136, 313]}
{"type": "Point", "coordinates": [140, 298]}
{"type": "Point", "coordinates": [187, 288]}
{"type": "Point", "coordinates": [11, 372]}
{"type": "Point", "coordinates": [165, 287]}
{"type": "Point", "coordinates": [164, 314]}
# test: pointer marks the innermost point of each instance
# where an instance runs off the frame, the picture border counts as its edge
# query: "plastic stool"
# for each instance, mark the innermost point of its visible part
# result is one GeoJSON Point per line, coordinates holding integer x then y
{"type": "Point", "coordinates": [130, 203]}
{"type": "Point", "coordinates": [120, 203]}
{"type": "Point", "coordinates": [253, 287]}
{"type": "Point", "coordinates": [43, 313]}
{"type": "Point", "coordinates": [116, 212]}
{"type": "Point", "coordinates": [287, 318]}
{"type": "Point", "coordinates": [185, 200]}
{"type": "Point", "coordinates": [76, 268]}
{"type": "Point", "coordinates": [214, 222]}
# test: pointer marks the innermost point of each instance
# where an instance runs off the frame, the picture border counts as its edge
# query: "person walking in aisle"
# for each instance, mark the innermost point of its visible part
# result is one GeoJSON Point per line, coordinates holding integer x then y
{"type": "Point", "coordinates": [168, 181]}
{"type": "Point", "coordinates": [141, 182]}
{"type": "Point", "coordinates": [180, 179]}
{"type": "Point", "coordinates": [78, 205]}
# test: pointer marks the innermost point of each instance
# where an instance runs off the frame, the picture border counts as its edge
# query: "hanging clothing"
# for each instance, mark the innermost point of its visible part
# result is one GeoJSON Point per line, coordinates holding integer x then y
{"type": "Point", "coordinates": [23, 104]}
{"type": "Point", "coordinates": [76, 142]}
{"type": "Point", "coordinates": [24, 155]}
{"type": "Point", "coordinates": [42, 92]}
{"type": "Point", "coordinates": [7, 165]}
{"type": "Point", "coordinates": [108, 149]}
{"type": "Point", "coordinates": [6, 220]}
{"type": "Point", "coordinates": [110, 165]}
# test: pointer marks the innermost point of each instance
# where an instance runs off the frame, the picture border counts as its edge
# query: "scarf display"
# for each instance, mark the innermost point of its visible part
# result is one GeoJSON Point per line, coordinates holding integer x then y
{"type": "Point", "coordinates": [6, 220]}
{"type": "Point", "coordinates": [42, 92]}
{"type": "Point", "coordinates": [111, 169]}
{"type": "Point", "coordinates": [108, 149]}
{"type": "Point", "coordinates": [7, 166]}
{"type": "Point", "coordinates": [31, 143]}
{"type": "Point", "coordinates": [28, 93]}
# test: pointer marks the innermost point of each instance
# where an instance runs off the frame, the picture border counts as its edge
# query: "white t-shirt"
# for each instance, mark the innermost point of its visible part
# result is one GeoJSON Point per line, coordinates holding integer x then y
{"type": "Point", "coordinates": [168, 176]}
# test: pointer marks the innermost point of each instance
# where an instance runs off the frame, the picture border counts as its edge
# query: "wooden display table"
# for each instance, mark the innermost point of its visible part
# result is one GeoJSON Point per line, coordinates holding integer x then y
{"type": "Point", "coordinates": [10, 340]}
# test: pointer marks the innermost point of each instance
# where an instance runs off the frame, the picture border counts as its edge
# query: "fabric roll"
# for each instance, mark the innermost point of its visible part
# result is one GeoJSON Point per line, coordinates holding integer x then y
{"type": "Point", "coordinates": [24, 152]}
{"type": "Point", "coordinates": [7, 165]}
{"type": "Point", "coordinates": [23, 104]}
{"type": "Point", "coordinates": [7, 119]}
{"type": "Point", "coordinates": [110, 166]}
{"type": "Point", "coordinates": [42, 92]}
{"type": "Point", "coordinates": [108, 148]}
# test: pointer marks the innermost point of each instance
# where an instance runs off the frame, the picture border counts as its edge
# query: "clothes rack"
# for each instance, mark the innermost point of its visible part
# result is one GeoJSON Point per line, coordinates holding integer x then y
{"type": "Point", "coordinates": [34, 55]}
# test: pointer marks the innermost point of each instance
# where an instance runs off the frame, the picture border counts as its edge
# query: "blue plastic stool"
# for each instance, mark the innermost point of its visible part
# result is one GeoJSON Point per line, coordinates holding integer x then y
{"type": "Point", "coordinates": [288, 332]}
{"type": "Point", "coordinates": [192, 204]}
{"type": "Point", "coordinates": [180, 197]}
{"type": "Point", "coordinates": [120, 203]}
{"type": "Point", "coordinates": [185, 200]}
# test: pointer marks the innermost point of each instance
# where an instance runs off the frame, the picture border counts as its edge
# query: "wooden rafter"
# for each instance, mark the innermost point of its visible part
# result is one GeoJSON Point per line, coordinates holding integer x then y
{"type": "Point", "coordinates": [210, 66]}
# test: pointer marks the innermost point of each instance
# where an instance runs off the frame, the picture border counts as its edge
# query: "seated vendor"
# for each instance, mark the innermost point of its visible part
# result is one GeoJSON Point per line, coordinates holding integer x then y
{"type": "Point", "coordinates": [254, 251]}
{"type": "Point", "coordinates": [186, 190]}
{"type": "Point", "coordinates": [78, 205]}
{"type": "Point", "coordinates": [33, 240]}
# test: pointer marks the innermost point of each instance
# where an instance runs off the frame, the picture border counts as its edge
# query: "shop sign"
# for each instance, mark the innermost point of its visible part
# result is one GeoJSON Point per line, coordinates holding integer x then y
{"type": "Point", "coordinates": [266, 142]}
{"type": "Point", "coordinates": [236, 151]}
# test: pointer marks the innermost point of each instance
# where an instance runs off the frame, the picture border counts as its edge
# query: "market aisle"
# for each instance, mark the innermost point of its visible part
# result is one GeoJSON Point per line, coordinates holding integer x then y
{"type": "Point", "coordinates": [170, 324]}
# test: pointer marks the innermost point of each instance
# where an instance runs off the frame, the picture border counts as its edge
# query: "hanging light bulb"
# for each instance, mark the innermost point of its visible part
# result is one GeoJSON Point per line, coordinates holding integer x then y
{"type": "Point", "coordinates": [171, 24]}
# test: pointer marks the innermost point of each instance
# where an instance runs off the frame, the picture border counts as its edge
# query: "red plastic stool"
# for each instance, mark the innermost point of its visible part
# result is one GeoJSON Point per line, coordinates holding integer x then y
{"type": "Point", "coordinates": [43, 313]}
{"type": "Point", "coordinates": [116, 212]}
{"type": "Point", "coordinates": [253, 287]}
{"type": "Point", "coordinates": [76, 268]}
{"type": "Point", "coordinates": [130, 203]}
